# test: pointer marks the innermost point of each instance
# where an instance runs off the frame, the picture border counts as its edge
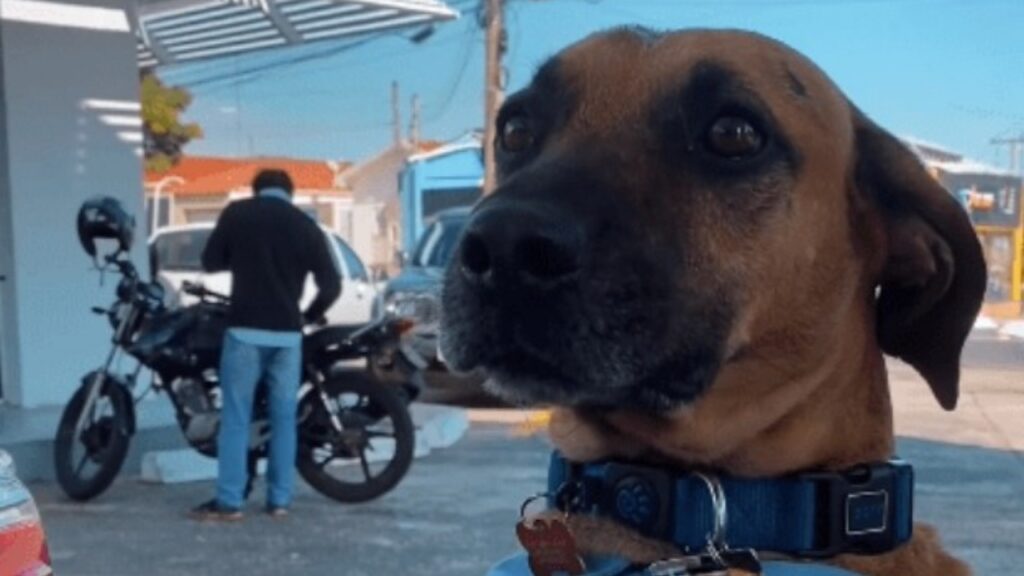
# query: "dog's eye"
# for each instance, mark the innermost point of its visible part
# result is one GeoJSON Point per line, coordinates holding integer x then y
{"type": "Point", "coordinates": [516, 134]}
{"type": "Point", "coordinates": [734, 137]}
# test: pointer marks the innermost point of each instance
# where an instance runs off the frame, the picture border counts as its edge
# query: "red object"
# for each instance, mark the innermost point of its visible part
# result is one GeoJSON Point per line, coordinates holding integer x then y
{"type": "Point", "coordinates": [209, 175]}
{"type": "Point", "coordinates": [550, 546]}
{"type": "Point", "coordinates": [23, 550]}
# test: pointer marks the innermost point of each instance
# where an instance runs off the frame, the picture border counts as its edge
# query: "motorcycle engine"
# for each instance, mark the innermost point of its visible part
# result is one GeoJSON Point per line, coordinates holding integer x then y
{"type": "Point", "coordinates": [200, 411]}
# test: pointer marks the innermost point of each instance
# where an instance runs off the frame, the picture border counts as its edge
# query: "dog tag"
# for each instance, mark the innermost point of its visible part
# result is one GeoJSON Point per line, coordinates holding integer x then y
{"type": "Point", "coordinates": [550, 547]}
{"type": "Point", "coordinates": [678, 566]}
{"type": "Point", "coordinates": [741, 562]}
{"type": "Point", "coordinates": [733, 563]}
{"type": "Point", "coordinates": [702, 565]}
{"type": "Point", "coordinates": [720, 563]}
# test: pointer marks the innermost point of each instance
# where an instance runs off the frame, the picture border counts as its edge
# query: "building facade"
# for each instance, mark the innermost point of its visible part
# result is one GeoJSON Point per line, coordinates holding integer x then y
{"type": "Point", "coordinates": [992, 199]}
{"type": "Point", "coordinates": [374, 184]}
{"type": "Point", "coordinates": [197, 188]}
{"type": "Point", "coordinates": [69, 130]}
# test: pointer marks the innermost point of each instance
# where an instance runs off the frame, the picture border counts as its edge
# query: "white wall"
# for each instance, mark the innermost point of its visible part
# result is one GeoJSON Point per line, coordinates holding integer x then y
{"type": "Point", "coordinates": [6, 238]}
{"type": "Point", "coordinates": [71, 96]}
{"type": "Point", "coordinates": [375, 183]}
{"type": "Point", "coordinates": [366, 231]}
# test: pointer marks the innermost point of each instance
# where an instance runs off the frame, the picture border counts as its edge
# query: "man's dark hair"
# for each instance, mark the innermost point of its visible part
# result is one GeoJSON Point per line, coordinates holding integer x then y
{"type": "Point", "coordinates": [272, 178]}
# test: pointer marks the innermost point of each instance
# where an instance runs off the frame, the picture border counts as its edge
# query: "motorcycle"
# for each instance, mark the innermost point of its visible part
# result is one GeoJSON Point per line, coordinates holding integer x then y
{"type": "Point", "coordinates": [355, 433]}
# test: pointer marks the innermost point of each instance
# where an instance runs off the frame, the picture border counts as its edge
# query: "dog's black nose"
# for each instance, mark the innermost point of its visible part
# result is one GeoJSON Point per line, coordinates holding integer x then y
{"type": "Point", "coordinates": [524, 244]}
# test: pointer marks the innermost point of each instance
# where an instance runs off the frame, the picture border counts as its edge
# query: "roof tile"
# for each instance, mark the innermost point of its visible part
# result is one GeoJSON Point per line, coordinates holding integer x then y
{"type": "Point", "coordinates": [212, 175]}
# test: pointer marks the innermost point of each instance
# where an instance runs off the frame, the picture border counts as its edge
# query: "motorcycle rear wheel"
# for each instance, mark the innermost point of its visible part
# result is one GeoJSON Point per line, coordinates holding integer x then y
{"type": "Point", "coordinates": [103, 443]}
{"type": "Point", "coordinates": [375, 422]}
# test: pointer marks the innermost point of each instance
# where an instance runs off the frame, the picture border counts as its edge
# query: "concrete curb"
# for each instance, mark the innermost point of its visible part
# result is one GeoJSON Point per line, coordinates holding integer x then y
{"type": "Point", "coordinates": [28, 434]}
{"type": "Point", "coordinates": [988, 327]}
{"type": "Point", "coordinates": [505, 415]}
{"type": "Point", "coordinates": [437, 428]}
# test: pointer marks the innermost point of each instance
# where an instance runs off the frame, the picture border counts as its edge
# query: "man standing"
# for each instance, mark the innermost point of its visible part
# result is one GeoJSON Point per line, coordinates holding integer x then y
{"type": "Point", "coordinates": [270, 247]}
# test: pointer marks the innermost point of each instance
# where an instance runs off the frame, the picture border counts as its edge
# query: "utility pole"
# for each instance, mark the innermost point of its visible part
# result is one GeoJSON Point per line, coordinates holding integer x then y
{"type": "Point", "coordinates": [493, 89]}
{"type": "Point", "coordinates": [396, 115]}
{"type": "Point", "coordinates": [414, 121]}
{"type": "Point", "coordinates": [1016, 146]}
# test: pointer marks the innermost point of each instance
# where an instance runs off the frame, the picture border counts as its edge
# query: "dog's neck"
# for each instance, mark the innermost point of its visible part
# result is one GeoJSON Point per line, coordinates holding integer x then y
{"type": "Point", "coordinates": [832, 417]}
{"type": "Point", "coordinates": [771, 413]}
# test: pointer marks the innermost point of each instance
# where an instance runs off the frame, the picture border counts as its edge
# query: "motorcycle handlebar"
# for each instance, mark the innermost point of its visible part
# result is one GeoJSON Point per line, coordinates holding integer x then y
{"type": "Point", "coordinates": [200, 291]}
{"type": "Point", "coordinates": [123, 265]}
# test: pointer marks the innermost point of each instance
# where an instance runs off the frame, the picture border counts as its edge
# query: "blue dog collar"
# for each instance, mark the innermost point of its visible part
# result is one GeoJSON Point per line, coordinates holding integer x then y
{"type": "Point", "coordinates": [519, 565]}
{"type": "Point", "coordinates": [865, 510]}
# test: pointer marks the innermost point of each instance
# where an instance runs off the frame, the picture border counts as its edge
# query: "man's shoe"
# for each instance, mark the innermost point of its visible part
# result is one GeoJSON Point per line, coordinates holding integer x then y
{"type": "Point", "coordinates": [275, 511]}
{"type": "Point", "coordinates": [214, 511]}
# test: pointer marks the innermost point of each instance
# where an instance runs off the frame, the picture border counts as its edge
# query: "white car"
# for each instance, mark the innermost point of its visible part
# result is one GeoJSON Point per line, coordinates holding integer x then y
{"type": "Point", "coordinates": [179, 249]}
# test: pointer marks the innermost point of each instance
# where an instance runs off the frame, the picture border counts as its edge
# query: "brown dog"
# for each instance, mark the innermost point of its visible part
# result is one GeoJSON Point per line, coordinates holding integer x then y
{"type": "Point", "coordinates": [699, 250]}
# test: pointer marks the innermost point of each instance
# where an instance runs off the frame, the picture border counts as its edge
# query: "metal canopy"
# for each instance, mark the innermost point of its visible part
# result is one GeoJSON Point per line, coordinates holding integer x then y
{"type": "Point", "coordinates": [174, 31]}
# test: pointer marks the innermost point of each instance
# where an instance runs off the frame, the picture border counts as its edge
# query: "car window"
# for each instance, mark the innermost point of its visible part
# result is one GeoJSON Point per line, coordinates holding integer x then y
{"type": "Point", "coordinates": [334, 255]}
{"type": "Point", "coordinates": [182, 250]}
{"type": "Point", "coordinates": [356, 269]}
{"type": "Point", "coordinates": [439, 243]}
{"type": "Point", "coordinates": [426, 244]}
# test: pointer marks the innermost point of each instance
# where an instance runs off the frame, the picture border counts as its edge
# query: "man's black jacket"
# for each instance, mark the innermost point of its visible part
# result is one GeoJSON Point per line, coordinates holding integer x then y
{"type": "Point", "coordinates": [269, 246]}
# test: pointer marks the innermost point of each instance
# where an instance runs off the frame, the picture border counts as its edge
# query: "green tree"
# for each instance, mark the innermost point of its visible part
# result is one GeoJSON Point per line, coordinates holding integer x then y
{"type": "Point", "coordinates": [164, 133]}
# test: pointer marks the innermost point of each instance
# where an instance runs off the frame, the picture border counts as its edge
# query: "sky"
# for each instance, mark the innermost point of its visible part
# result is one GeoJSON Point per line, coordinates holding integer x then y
{"type": "Point", "coordinates": [945, 71]}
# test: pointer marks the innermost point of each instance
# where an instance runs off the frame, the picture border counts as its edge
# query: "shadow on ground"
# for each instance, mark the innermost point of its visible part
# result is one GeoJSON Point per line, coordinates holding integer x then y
{"type": "Point", "coordinates": [975, 496]}
{"type": "Point", "coordinates": [454, 516]}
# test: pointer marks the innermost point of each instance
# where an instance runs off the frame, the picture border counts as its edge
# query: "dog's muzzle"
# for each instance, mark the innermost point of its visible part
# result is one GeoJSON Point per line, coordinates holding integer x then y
{"type": "Point", "coordinates": [520, 247]}
{"type": "Point", "coordinates": [562, 303]}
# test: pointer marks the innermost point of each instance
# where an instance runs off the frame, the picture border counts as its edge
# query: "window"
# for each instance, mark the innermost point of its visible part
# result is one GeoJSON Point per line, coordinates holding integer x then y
{"type": "Point", "coordinates": [438, 199]}
{"type": "Point", "coordinates": [202, 215]}
{"type": "Point", "coordinates": [356, 269]}
{"type": "Point", "coordinates": [163, 218]}
{"type": "Point", "coordinates": [426, 244]}
{"type": "Point", "coordinates": [183, 250]}
{"type": "Point", "coordinates": [438, 242]}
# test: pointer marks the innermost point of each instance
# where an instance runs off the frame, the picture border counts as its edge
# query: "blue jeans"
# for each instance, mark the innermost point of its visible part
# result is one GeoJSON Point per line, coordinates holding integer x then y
{"type": "Point", "coordinates": [243, 365]}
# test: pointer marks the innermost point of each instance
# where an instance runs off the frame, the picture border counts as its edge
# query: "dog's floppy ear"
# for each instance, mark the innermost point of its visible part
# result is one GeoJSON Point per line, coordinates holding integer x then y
{"type": "Point", "coordinates": [933, 278]}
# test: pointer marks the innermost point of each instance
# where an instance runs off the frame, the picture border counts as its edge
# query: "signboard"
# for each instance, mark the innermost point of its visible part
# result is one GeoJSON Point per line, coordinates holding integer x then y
{"type": "Point", "coordinates": [990, 199]}
{"type": "Point", "coordinates": [998, 249]}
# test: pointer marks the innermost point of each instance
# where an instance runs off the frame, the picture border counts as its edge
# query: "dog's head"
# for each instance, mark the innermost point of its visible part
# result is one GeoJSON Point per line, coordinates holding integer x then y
{"type": "Point", "coordinates": [670, 204]}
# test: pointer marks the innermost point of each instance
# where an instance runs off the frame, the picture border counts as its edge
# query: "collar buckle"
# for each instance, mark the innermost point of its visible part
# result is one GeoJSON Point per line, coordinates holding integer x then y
{"type": "Point", "coordinates": [863, 506]}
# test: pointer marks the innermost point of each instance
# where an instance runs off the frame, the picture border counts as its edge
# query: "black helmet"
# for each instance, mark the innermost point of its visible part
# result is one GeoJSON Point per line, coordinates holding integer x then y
{"type": "Point", "coordinates": [104, 217]}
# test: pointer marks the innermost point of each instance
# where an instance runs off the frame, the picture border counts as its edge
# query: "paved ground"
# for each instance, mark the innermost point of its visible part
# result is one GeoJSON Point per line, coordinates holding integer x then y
{"type": "Point", "coordinates": [453, 515]}
{"type": "Point", "coordinates": [455, 512]}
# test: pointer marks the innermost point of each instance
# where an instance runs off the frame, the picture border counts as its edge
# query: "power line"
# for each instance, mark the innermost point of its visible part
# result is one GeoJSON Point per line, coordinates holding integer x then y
{"type": "Point", "coordinates": [254, 72]}
{"type": "Point", "coordinates": [248, 74]}
{"type": "Point", "coordinates": [290, 91]}
{"type": "Point", "coordinates": [457, 79]}
{"type": "Point", "coordinates": [1016, 146]}
{"type": "Point", "coordinates": [464, 5]}
{"type": "Point", "coordinates": [784, 3]}
{"type": "Point", "coordinates": [469, 37]}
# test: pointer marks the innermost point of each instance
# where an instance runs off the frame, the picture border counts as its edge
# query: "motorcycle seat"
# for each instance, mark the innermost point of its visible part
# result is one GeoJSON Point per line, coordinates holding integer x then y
{"type": "Point", "coordinates": [327, 337]}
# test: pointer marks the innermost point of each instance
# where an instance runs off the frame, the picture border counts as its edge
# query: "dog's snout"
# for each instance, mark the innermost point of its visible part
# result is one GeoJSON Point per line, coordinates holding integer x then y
{"type": "Point", "coordinates": [528, 246]}
{"type": "Point", "coordinates": [475, 255]}
{"type": "Point", "coordinates": [546, 258]}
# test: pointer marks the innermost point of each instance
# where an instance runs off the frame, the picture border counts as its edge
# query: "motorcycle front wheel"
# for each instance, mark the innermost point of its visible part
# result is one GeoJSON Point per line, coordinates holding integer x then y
{"type": "Point", "coordinates": [371, 453]}
{"type": "Point", "coordinates": [87, 459]}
